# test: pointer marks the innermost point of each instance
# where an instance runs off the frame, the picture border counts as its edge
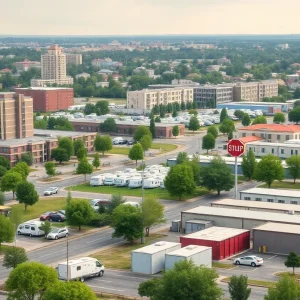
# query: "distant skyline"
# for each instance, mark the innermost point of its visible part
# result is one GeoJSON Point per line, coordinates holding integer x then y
{"type": "Point", "coordinates": [149, 17]}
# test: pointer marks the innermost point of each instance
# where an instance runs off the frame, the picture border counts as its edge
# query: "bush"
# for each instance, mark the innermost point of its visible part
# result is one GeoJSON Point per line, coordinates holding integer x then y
{"type": "Point", "coordinates": [100, 220]}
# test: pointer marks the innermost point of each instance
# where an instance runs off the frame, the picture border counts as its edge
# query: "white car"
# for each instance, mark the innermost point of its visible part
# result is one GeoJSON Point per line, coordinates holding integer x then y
{"type": "Point", "coordinates": [57, 233]}
{"type": "Point", "coordinates": [50, 191]}
{"type": "Point", "coordinates": [250, 260]}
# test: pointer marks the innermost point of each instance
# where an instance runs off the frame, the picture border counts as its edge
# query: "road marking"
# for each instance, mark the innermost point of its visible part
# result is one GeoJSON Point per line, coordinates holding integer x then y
{"type": "Point", "coordinates": [94, 241]}
{"type": "Point", "coordinates": [105, 280]}
{"type": "Point", "coordinates": [272, 256]}
{"type": "Point", "coordinates": [48, 254]}
{"type": "Point", "coordinates": [105, 288]}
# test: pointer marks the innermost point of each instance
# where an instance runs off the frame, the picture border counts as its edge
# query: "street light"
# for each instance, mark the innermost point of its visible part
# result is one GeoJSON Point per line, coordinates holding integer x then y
{"type": "Point", "coordinates": [67, 257]}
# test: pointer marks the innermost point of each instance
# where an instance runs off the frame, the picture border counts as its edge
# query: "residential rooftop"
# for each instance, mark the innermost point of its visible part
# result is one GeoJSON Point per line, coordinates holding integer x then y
{"type": "Point", "coordinates": [249, 139]}
{"type": "Point", "coordinates": [272, 127]}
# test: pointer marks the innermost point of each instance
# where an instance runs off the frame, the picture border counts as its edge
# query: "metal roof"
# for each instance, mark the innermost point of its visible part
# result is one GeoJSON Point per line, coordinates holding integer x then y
{"type": "Point", "coordinates": [216, 233]}
{"type": "Point", "coordinates": [279, 227]}
{"type": "Point", "coordinates": [188, 250]}
{"type": "Point", "coordinates": [273, 192]}
{"type": "Point", "coordinates": [258, 204]}
{"type": "Point", "coordinates": [156, 247]}
{"type": "Point", "coordinates": [243, 214]}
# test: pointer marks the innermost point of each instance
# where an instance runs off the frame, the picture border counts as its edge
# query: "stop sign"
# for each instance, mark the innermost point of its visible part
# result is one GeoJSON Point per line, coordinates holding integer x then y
{"type": "Point", "coordinates": [235, 148]}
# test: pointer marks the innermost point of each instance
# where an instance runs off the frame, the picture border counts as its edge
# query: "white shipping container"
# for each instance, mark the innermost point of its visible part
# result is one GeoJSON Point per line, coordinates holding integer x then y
{"type": "Point", "coordinates": [200, 255]}
{"type": "Point", "coordinates": [151, 259]}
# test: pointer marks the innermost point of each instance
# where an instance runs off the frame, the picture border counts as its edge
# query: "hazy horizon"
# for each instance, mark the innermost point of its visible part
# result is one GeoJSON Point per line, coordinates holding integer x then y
{"type": "Point", "coordinates": [148, 17]}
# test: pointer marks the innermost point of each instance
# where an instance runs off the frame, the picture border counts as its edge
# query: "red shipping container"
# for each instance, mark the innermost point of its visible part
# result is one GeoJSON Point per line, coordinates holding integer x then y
{"type": "Point", "coordinates": [224, 241]}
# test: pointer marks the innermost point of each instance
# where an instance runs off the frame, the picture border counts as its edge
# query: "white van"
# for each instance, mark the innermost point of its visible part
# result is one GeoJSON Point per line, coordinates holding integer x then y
{"type": "Point", "coordinates": [135, 204]}
{"type": "Point", "coordinates": [151, 183]}
{"type": "Point", "coordinates": [135, 182]}
{"type": "Point", "coordinates": [31, 228]}
{"type": "Point", "coordinates": [110, 180]}
{"type": "Point", "coordinates": [96, 180]}
{"type": "Point", "coordinates": [122, 181]}
{"type": "Point", "coordinates": [95, 203]}
{"type": "Point", "coordinates": [117, 140]}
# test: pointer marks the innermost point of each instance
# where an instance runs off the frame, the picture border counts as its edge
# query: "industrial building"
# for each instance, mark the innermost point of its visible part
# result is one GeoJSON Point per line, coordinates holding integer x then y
{"type": "Point", "coordinates": [256, 206]}
{"type": "Point", "coordinates": [151, 259]}
{"type": "Point", "coordinates": [197, 225]}
{"type": "Point", "coordinates": [277, 238]}
{"type": "Point", "coordinates": [224, 242]}
{"type": "Point", "coordinates": [199, 255]}
{"type": "Point", "coordinates": [271, 195]}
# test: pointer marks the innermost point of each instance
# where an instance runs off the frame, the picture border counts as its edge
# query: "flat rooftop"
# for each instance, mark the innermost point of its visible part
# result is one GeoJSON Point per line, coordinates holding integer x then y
{"type": "Point", "coordinates": [156, 247]}
{"type": "Point", "coordinates": [268, 144]}
{"type": "Point", "coordinates": [216, 233]}
{"type": "Point", "coordinates": [44, 88]}
{"type": "Point", "coordinates": [276, 227]}
{"type": "Point", "coordinates": [273, 192]}
{"type": "Point", "coordinates": [257, 204]}
{"type": "Point", "coordinates": [188, 250]}
{"type": "Point", "coordinates": [243, 214]}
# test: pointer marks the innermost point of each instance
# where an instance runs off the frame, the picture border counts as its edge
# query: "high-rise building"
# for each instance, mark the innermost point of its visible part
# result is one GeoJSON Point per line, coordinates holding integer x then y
{"type": "Point", "coordinates": [26, 65]}
{"type": "Point", "coordinates": [74, 59]}
{"type": "Point", "coordinates": [16, 116]}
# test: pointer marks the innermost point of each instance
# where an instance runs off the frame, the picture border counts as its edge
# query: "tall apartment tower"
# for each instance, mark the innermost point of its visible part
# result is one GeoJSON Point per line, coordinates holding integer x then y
{"type": "Point", "coordinates": [54, 65]}
{"type": "Point", "coordinates": [16, 116]}
{"type": "Point", "coordinates": [74, 59]}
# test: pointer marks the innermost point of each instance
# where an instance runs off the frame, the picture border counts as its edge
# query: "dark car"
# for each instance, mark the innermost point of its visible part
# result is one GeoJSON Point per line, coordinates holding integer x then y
{"type": "Point", "coordinates": [53, 217]}
{"type": "Point", "coordinates": [123, 142]}
{"type": "Point", "coordinates": [131, 142]}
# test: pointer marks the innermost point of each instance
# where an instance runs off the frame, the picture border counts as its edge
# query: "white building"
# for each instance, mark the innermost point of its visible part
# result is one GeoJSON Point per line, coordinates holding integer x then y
{"type": "Point", "coordinates": [74, 59]}
{"type": "Point", "coordinates": [83, 75]}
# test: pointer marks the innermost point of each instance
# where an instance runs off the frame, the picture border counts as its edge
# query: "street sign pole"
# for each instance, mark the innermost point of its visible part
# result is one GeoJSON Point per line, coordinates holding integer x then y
{"type": "Point", "coordinates": [235, 179]}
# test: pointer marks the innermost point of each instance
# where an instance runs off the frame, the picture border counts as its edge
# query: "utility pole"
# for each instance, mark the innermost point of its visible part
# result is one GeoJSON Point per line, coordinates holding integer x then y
{"type": "Point", "coordinates": [67, 257]}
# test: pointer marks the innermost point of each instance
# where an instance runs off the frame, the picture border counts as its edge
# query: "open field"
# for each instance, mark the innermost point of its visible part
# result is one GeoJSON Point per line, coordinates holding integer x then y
{"type": "Point", "coordinates": [124, 191]}
{"type": "Point", "coordinates": [282, 185]}
{"type": "Point", "coordinates": [3, 248]}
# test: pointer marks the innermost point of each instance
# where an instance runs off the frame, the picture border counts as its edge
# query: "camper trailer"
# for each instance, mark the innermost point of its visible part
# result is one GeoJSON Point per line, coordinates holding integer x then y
{"type": "Point", "coordinates": [31, 228]}
{"type": "Point", "coordinates": [122, 181]}
{"type": "Point", "coordinates": [96, 180]}
{"type": "Point", "coordinates": [110, 180]}
{"type": "Point", "coordinates": [151, 183]}
{"type": "Point", "coordinates": [135, 182]}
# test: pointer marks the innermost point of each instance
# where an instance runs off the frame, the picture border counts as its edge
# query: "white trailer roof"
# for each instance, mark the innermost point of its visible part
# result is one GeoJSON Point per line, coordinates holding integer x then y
{"type": "Point", "coordinates": [189, 250]}
{"type": "Point", "coordinates": [273, 192]}
{"type": "Point", "coordinates": [78, 261]}
{"type": "Point", "coordinates": [156, 247]}
{"type": "Point", "coordinates": [279, 227]}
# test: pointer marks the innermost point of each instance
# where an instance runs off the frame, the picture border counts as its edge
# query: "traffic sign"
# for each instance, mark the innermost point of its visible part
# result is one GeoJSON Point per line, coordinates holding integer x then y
{"type": "Point", "coordinates": [235, 148]}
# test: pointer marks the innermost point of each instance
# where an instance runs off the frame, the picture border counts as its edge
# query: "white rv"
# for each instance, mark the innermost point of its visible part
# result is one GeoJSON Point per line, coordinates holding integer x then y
{"type": "Point", "coordinates": [96, 180]}
{"type": "Point", "coordinates": [122, 181]}
{"type": "Point", "coordinates": [110, 180]}
{"type": "Point", "coordinates": [135, 182]}
{"type": "Point", "coordinates": [79, 269]}
{"type": "Point", "coordinates": [117, 140]}
{"type": "Point", "coordinates": [151, 183]}
{"type": "Point", "coordinates": [31, 228]}
{"type": "Point", "coordinates": [135, 204]}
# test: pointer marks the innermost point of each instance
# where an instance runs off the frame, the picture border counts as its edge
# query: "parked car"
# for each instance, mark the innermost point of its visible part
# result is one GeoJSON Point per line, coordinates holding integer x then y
{"type": "Point", "coordinates": [132, 142]}
{"type": "Point", "coordinates": [50, 191]}
{"type": "Point", "coordinates": [57, 233]}
{"type": "Point", "coordinates": [52, 216]}
{"type": "Point", "coordinates": [62, 211]}
{"type": "Point", "coordinates": [123, 142]}
{"type": "Point", "coordinates": [250, 260]}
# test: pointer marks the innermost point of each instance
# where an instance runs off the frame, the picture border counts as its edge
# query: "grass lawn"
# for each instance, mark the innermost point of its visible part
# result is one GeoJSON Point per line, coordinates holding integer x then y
{"type": "Point", "coordinates": [282, 185]}
{"type": "Point", "coordinates": [281, 274]}
{"type": "Point", "coordinates": [119, 150]}
{"type": "Point", "coordinates": [124, 191]}
{"type": "Point", "coordinates": [253, 282]}
{"type": "Point", "coordinates": [120, 257]}
{"type": "Point", "coordinates": [3, 248]}
{"type": "Point", "coordinates": [219, 265]}
{"type": "Point", "coordinates": [49, 179]}
{"type": "Point", "coordinates": [242, 178]}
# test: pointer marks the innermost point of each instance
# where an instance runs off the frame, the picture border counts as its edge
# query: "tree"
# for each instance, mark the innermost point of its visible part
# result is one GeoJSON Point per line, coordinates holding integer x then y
{"type": "Point", "coordinates": [194, 123]}
{"type": "Point", "coordinates": [10, 181]}
{"type": "Point", "coordinates": [127, 222]}
{"type": "Point", "coordinates": [69, 290]}
{"type": "Point", "coordinates": [146, 142]}
{"type": "Point", "coordinates": [136, 152]}
{"type": "Point", "coordinates": [140, 132]}
{"type": "Point", "coordinates": [175, 131]}
{"type": "Point", "coordinates": [294, 115]}
{"type": "Point", "coordinates": [7, 230]}
{"type": "Point", "coordinates": [46, 227]}
{"type": "Point", "coordinates": [102, 107]}
{"type": "Point", "coordinates": [50, 168]}
{"type": "Point", "coordinates": [2, 198]}
{"type": "Point", "coordinates": [16, 216]}
{"type": "Point", "coordinates": [230, 135]}
{"type": "Point", "coordinates": [103, 143]}
{"type": "Point", "coordinates": [152, 213]}
{"type": "Point", "coordinates": [297, 103]}
{"type": "Point", "coordinates": [182, 157]}
{"type": "Point", "coordinates": [67, 144]}
{"type": "Point", "coordinates": [21, 168]}
{"type": "Point", "coordinates": [239, 114]}
{"type": "Point", "coordinates": [269, 169]}
{"type": "Point", "coordinates": [286, 288]}
{"type": "Point", "coordinates": [2, 171]}
{"type": "Point", "coordinates": [84, 167]}
{"type": "Point", "coordinates": [109, 125]}
{"type": "Point", "coordinates": [174, 114]}
{"type": "Point", "coordinates": [81, 153]}
{"type": "Point", "coordinates": [259, 120]}
{"type": "Point", "coordinates": [26, 194]}
{"type": "Point", "coordinates": [292, 261]}
{"type": "Point", "coordinates": [96, 161]}
{"type": "Point", "coordinates": [249, 164]}
{"type": "Point", "coordinates": [226, 126]}
{"type": "Point", "coordinates": [238, 288]}
{"type": "Point", "coordinates": [223, 115]}
{"type": "Point", "coordinates": [78, 144]}
{"type": "Point", "coordinates": [180, 181]}
{"type": "Point", "coordinates": [60, 154]}
{"type": "Point", "coordinates": [79, 212]}
{"type": "Point", "coordinates": [27, 158]}
{"type": "Point", "coordinates": [296, 93]}
{"type": "Point", "coordinates": [115, 201]}
{"type": "Point", "coordinates": [279, 118]}
{"type": "Point", "coordinates": [14, 256]}
{"type": "Point", "coordinates": [157, 118]}
{"type": "Point", "coordinates": [246, 120]}
{"type": "Point", "coordinates": [152, 127]}
{"type": "Point", "coordinates": [194, 164]}
{"type": "Point", "coordinates": [30, 280]}
{"type": "Point", "coordinates": [213, 130]}
{"type": "Point", "coordinates": [293, 164]}
{"type": "Point", "coordinates": [4, 162]}
{"type": "Point", "coordinates": [217, 176]}
{"type": "Point", "coordinates": [208, 142]}
{"type": "Point", "coordinates": [185, 281]}
{"type": "Point", "coordinates": [69, 197]}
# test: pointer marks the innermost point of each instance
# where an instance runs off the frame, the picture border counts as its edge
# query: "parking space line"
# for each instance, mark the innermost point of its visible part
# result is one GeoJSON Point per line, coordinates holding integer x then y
{"type": "Point", "coordinates": [105, 288]}
{"type": "Point", "coordinates": [272, 256]}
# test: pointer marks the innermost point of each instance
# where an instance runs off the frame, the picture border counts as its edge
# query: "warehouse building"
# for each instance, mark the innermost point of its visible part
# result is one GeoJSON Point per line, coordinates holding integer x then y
{"type": "Point", "coordinates": [256, 206]}
{"type": "Point", "coordinates": [277, 238]}
{"type": "Point", "coordinates": [271, 195]}
{"type": "Point", "coordinates": [224, 242]}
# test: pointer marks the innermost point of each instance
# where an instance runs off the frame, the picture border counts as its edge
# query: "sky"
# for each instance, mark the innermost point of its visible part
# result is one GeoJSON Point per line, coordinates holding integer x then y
{"type": "Point", "coordinates": [148, 17]}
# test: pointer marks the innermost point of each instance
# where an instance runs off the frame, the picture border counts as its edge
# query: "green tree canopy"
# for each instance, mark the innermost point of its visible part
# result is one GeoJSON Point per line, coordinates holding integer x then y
{"type": "Point", "coordinates": [22, 168]}
{"type": "Point", "coordinates": [102, 143]}
{"type": "Point", "coordinates": [194, 123]}
{"type": "Point", "coordinates": [182, 157]}
{"type": "Point", "coordinates": [109, 125]}
{"type": "Point", "coordinates": [269, 169]}
{"type": "Point", "coordinates": [115, 201]}
{"type": "Point", "coordinates": [26, 193]}
{"type": "Point", "coordinates": [279, 118]}
{"type": "Point", "coordinates": [10, 181]}
{"type": "Point", "coordinates": [50, 168]}
{"type": "Point", "coordinates": [208, 142]}
{"type": "Point", "coordinates": [217, 176]}
{"type": "Point", "coordinates": [238, 288]}
{"type": "Point", "coordinates": [140, 132]}
{"type": "Point", "coordinates": [67, 144]}
{"type": "Point", "coordinates": [175, 130]}
{"type": "Point", "coordinates": [239, 114]}
{"type": "Point", "coordinates": [213, 130]}
{"type": "Point", "coordinates": [7, 230]}
{"type": "Point", "coordinates": [78, 144]}
{"type": "Point", "coordinates": [81, 153]}
{"type": "Point", "coordinates": [136, 152]}
{"type": "Point", "coordinates": [102, 107]}
{"type": "Point", "coordinates": [96, 161]}
{"type": "Point", "coordinates": [259, 120]}
{"type": "Point", "coordinates": [292, 261]}
{"type": "Point", "coordinates": [223, 115]}
{"type": "Point", "coordinates": [226, 126]}
{"type": "Point", "coordinates": [152, 127]}
{"type": "Point", "coordinates": [249, 164]}
{"type": "Point", "coordinates": [146, 142]}
{"type": "Point", "coordinates": [246, 120]}
{"type": "Point", "coordinates": [27, 158]}
{"type": "Point", "coordinates": [4, 162]}
{"type": "Point", "coordinates": [14, 256]}
{"type": "Point", "coordinates": [60, 154]}
{"type": "Point", "coordinates": [84, 167]}
{"type": "Point", "coordinates": [294, 115]}
{"type": "Point", "coordinates": [293, 164]}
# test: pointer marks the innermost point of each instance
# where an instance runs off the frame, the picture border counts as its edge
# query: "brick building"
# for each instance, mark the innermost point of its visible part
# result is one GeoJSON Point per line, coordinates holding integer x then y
{"type": "Point", "coordinates": [46, 99]}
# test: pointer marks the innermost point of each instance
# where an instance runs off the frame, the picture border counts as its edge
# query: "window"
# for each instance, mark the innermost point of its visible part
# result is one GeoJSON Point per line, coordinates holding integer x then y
{"type": "Point", "coordinates": [269, 136]}
{"type": "Point", "coordinates": [278, 137]}
{"type": "Point", "coordinates": [294, 202]}
{"type": "Point", "coordinates": [247, 198]}
{"type": "Point", "coordinates": [262, 150]}
{"type": "Point", "coordinates": [78, 268]}
{"type": "Point", "coordinates": [270, 200]}
{"type": "Point", "coordinates": [32, 228]}
{"type": "Point", "coordinates": [296, 152]}
{"type": "Point", "coordinates": [257, 199]}
{"type": "Point", "coordinates": [272, 150]}
{"type": "Point", "coordinates": [292, 152]}
{"type": "Point", "coordinates": [281, 201]}
{"type": "Point", "coordinates": [282, 151]}
{"type": "Point", "coordinates": [244, 134]}
{"type": "Point", "coordinates": [98, 264]}
{"type": "Point", "coordinates": [287, 137]}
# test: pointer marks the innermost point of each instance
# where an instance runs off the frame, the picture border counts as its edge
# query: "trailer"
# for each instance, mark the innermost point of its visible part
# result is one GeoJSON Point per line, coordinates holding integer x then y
{"type": "Point", "coordinates": [135, 182]}
{"type": "Point", "coordinates": [96, 180]}
{"type": "Point", "coordinates": [80, 269]}
{"type": "Point", "coordinates": [151, 183]}
{"type": "Point", "coordinates": [122, 181]}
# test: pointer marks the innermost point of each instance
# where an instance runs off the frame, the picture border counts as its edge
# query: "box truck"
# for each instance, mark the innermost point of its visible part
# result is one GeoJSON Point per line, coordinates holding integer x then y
{"type": "Point", "coordinates": [79, 269]}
